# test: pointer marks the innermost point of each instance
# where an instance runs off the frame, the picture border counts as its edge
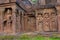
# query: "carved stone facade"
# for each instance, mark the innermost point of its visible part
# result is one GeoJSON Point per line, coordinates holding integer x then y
{"type": "Point", "coordinates": [16, 18]}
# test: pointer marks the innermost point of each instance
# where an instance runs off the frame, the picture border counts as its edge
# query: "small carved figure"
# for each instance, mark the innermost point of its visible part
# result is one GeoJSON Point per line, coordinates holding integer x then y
{"type": "Point", "coordinates": [40, 21]}
{"type": "Point", "coordinates": [7, 20]}
{"type": "Point", "coordinates": [46, 22]}
{"type": "Point", "coordinates": [53, 24]}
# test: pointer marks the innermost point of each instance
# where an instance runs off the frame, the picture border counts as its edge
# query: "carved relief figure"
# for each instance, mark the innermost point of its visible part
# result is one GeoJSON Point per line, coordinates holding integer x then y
{"type": "Point", "coordinates": [53, 23]}
{"type": "Point", "coordinates": [7, 17]}
{"type": "Point", "coordinates": [46, 22]}
{"type": "Point", "coordinates": [40, 21]}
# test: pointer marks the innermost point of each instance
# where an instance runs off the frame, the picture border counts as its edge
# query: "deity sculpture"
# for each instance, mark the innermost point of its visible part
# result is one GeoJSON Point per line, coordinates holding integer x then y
{"type": "Point", "coordinates": [46, 22]}
{"type": "Point", "coordinates": [40, 21]}
{"type": "Point", "coordinates": [53, 22]}
{"type": "Point", "coordinates": [7, 17]}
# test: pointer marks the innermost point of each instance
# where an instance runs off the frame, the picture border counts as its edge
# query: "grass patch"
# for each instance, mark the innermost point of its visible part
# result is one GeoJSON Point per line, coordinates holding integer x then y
{"type": "Point", "coordinates": [26, 37]}
{"type": "Point", "coordinates": [7, 37]}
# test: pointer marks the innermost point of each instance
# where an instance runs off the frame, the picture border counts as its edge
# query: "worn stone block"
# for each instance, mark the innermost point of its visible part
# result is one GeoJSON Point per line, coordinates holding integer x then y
{"type": "Point", "coordinates": [4, 1]}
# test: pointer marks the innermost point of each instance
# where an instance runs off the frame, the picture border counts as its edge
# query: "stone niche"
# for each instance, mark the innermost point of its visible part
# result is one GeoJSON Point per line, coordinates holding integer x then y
{"type": "Point", "coordinates": [7, 20]}
{"type": "Point", "coordinates": [30, 22]}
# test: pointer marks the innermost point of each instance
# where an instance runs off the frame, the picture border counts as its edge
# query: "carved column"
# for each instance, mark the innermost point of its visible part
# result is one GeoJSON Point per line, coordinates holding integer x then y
{"type": "Point", "coordinates": [14, 20]}
{"type": "Point", "coordinates": [58, 17]}
{"type": "Point", "coordinates": [1, 19]}
{"type": "Point", "coordinates": [2, 11]}
{"type": "Point", "coordinates": [36, 21]}
{"type": "Point", "coordinates": [22, 21]}
{"type": "Point", "coordinates": [19, 23]}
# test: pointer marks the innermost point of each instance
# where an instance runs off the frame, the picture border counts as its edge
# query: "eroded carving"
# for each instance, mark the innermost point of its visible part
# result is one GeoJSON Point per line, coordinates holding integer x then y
{"type": "Point", "coordinates": [7, 19]}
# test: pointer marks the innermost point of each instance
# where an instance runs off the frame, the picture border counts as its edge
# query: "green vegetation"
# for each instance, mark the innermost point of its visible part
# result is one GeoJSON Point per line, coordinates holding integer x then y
{"type": "Point", "coordinates": [34, 1]}
{"type": "Point", "coordinates": [26, 37]}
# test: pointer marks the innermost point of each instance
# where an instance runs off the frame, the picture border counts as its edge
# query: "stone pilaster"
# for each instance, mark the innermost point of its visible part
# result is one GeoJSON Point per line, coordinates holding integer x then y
{"type": "Point", "coordinates": [1, 19]}
{"type": "Point", "coordinates": [14, 19]}
{"type": "Point", "coordinates": [58, 17]}
{"type": "Point", "coordinates": [2, 13]}
{"type": "Point", "coordinates": [22, 21]}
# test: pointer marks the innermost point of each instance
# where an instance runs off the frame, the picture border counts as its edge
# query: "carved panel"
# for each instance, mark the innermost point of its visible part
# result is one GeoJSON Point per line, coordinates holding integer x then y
{"type": "Point", "coordinates": [47, 20]}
